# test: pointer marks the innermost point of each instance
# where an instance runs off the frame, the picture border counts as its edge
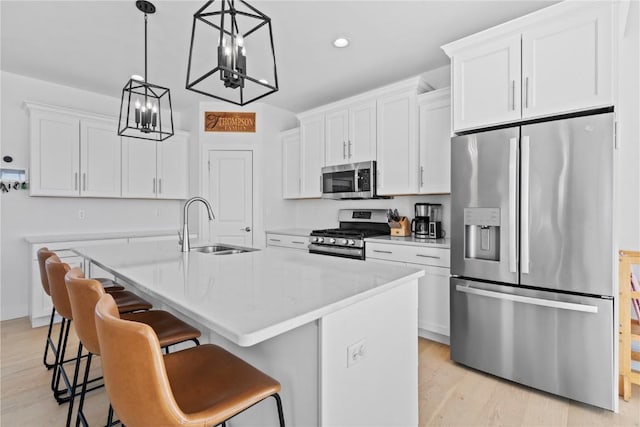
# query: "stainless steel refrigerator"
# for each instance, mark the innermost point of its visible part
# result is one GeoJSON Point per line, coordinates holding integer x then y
{"type": "Point", "coordinates": [532, 255]}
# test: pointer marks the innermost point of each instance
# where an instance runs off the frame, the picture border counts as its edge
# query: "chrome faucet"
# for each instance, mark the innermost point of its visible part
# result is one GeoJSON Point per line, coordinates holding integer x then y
{"type": "Point", "coordinates": [184, 239]}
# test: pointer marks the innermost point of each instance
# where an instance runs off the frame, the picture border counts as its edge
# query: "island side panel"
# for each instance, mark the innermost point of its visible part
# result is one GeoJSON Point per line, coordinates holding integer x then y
{"type": "Point", "coordinates": [369, 361]}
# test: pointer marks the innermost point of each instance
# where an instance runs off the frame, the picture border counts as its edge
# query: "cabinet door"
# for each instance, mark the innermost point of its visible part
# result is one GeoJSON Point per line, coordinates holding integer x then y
{"type": "Point", "coordinates": [55, 154]}
{"type": "Point", "coordinates": [138, 168]}
{"type": "Point", "coordinates": [435, 142]}
{"type": "Point", "coordinates": [361, 144]}
{"type": "Point", "coordinates": [173, 168]}
{"type": "Point", "coordinates": [100, 159]}
{"type": "Point", "coordinates": [312, 155]}
{"type": "Point", "coordinates": [336, 136]}
{"type": "Point", "coordinates": [566, 64]}
{"type": "Point", "coordinates": [486, 84]}
{"type": "Point", "coordinates": [397, 147]}
{"type": "Point", "coordinates": [291, 164]}
{"type": "Point", "coordinates": [433, 300]}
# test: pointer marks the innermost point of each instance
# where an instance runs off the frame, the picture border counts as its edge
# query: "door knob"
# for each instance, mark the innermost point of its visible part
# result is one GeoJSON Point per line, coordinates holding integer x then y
{"type": "Point", "coordinates": [247, 229]}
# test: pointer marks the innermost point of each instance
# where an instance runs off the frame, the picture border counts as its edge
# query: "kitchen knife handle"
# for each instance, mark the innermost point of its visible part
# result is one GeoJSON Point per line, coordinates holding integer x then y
{"type": "Point", "coordinates": [524, 207]}
{"type": "Point", "coordinates": [513, 185]}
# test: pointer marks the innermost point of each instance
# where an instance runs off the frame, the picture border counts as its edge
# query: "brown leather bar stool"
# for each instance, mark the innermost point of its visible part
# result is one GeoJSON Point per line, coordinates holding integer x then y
{"type": "Point", "coordinates": [199, 386]}
{"type": "Point", "coordinates": [44, 253]}
{"type": "Point", "coordinates": [84, 294]}
{"type": "Point", "coordinates": [125, 300]}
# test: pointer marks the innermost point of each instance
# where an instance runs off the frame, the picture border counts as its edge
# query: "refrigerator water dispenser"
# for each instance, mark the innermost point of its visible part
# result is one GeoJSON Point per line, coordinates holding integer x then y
{"type": "Point", "coordinates": [482, 233]}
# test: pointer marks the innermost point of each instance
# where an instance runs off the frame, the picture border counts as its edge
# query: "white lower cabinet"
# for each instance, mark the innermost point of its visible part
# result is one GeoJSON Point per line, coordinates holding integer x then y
{"type": "Point", "coordinates": [287, 241]}
{"type": "Point", "coordinates": [433, 287]}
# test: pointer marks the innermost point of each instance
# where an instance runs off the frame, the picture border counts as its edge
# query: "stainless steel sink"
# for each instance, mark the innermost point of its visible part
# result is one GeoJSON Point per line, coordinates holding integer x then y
{"type": "Point", "coordinates": [221, 250]}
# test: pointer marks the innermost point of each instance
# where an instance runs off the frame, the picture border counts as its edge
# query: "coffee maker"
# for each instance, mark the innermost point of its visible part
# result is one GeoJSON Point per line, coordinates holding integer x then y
{"type": "Point", "coordinates": [420, 222]}
{"type": "Point", "coordinates": [427, 223]}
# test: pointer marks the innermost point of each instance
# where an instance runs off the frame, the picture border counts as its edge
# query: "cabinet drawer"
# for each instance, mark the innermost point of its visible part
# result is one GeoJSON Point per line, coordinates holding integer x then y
{"type": "Point", "coordinates": [412, 254]}
{"type": "Point", "coordinates": [281, 240]}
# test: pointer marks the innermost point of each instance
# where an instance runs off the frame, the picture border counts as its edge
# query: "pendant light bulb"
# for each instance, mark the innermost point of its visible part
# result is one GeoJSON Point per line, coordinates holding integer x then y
{"type": "Point", "coordinates": [137, 104]}
{"type": "Point", "coordinates": [239, 40]}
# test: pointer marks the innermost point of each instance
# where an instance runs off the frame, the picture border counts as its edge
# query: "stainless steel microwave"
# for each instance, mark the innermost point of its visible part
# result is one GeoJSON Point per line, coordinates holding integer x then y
{"type": "Point", "coordinates": [350, 181]}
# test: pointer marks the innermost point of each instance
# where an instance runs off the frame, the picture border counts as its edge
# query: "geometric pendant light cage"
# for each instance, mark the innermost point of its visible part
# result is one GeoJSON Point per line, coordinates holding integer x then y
{"type": "Point", "coordinates": [145, 108]}
{"type": "Point", "coordinates": [231, 54]}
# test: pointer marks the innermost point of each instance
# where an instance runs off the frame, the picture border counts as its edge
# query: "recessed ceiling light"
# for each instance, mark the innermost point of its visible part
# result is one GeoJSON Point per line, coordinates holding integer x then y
{"type": "Point", "coordinates": [341, 42]}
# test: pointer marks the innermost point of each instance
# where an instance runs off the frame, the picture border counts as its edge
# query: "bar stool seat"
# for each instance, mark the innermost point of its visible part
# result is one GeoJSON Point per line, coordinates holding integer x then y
{"type": "Point", "coordinates": [168, 328]}
{"type": "Point", "coordinates": [129, 302]}
{"type": "Point", "coordinates": [108, 284]}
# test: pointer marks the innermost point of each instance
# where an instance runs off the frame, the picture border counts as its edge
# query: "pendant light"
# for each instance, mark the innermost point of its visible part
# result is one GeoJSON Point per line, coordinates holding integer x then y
{"type": "Point", "coordinates": [231, 55]}
{"type": "Point", "coordinates": [145, 108]}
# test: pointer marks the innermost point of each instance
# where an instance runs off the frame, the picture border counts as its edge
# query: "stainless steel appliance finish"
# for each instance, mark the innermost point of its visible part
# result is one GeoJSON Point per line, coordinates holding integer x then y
{"type": "Point", "coordinates": [349, 181]}
{"type": "Point", "coordinates": [348, 240]}
{"type": "Point", "coordinates": [558, 343]}
{"type": "Point", "coordinates": [532, 224]}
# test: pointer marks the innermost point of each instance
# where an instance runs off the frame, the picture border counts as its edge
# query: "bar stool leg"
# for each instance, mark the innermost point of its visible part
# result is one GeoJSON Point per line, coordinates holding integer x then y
{"type": "Point", "coordinates": [280, 413]}
{"type": "Point", "coordinates": [80, 418]}
{"type": "Point", "coordinates": [49, 343]}
{"type": "Point", "coordinates": [75, 384]}
{"type": "Point", "coordinates": [62, 348]}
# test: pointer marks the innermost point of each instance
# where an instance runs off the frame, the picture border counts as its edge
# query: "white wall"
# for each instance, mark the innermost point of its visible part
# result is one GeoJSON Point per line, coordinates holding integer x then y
{"type": "Point", "coordinates": [22, 215]}
{"type": "Point", "coordinates": [628, 115]}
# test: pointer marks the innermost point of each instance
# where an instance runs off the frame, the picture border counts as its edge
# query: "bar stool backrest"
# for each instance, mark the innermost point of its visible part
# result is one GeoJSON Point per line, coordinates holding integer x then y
{"type": "Point", "coordinates": [83, 295]}
{"type": "Point", "coordinates": [43, 254]}
{"type": "Point", "coordinates": [56, 270]}
{"type": "Point", "coordinates": [134, 371]}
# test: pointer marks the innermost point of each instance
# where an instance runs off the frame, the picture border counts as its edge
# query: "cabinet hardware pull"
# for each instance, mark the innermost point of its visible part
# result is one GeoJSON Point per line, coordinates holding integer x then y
{"type": "Point", "coordinates": [321, 183]}
{"type": "Point", "coordinates": [428, 256]}
{"type": "Point", "coordinates": [84, 181]}
{"type": "Point", "coordinates": [513, 153]}
{"type": "Point", "coordinates": [247, 229]}
{"type": "Point", "coordinates": [513, 95]}
{"type": "Point", "coordinates": [154, 186]}
{"type": "Point", "coordinates": [160, 185]}
{"type": "Point", "coordinates": [421, 176]}
{"type": "Point", "coordinates": [382, 252]}
{"type": "Point", "coordinates": [526, 92]}
{"type": "Point", "coordinates": [344, 150]}
{"type": "Point", "coordinates": [75, 181]}
{"type": "Point", "coordinates": [349, 150]}
{"type": "Point", "coordinates": [274, 240]}
{"type": "Point", "coordinates": [299, 243]}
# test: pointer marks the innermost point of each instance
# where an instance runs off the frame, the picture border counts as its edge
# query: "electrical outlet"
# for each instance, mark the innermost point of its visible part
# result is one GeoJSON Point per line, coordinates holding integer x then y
{"type": "Point", "coordinates": [81, 214]}
{"type": "Point", "coordinates": [157, 212]}
{"type": "Point", "coordinates": [356, 352]}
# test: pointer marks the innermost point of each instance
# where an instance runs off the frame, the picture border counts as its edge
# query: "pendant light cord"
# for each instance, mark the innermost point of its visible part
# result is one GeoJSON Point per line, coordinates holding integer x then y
{"type": "Point", "coordinates": [145, 48]}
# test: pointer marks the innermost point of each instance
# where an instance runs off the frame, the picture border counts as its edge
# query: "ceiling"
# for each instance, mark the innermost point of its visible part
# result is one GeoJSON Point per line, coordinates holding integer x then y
{"type": "Point", "coordinates": [97, 45]}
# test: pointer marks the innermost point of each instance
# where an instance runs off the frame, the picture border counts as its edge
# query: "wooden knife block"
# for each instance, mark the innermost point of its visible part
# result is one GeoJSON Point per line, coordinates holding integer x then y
{"type": "Point", "coordinates": [400, 228]}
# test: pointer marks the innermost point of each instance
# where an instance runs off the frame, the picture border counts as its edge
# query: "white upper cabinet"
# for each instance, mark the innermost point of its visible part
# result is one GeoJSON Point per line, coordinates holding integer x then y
{"type": "Point", "coordinates": [553, 61]}
{"type": "Point", "coordinates": [397, 147]}
{"type": "Point", "coordinates": [434, 111]}
{"type": "Point", "coordinates": [155, 170]}
{"type": "Point", "coordinates": [566, 63]}
{"type": "Point", "coordinates": [99, 159]}
{"type": "Point", "coordinates": [486, 81]}
{"type": "Point", "coordinates": [291, 164]}
{"type": "Point", "coordinates": [312, 155]}
{"type": "Point", "coordinates": [350, 134]}
{"type": "Point", "coordinates": [72, 155]}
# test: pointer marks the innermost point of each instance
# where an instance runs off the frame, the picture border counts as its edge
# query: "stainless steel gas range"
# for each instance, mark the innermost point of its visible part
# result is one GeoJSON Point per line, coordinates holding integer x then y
{"type": "Point", "coordinates": [348, 240]}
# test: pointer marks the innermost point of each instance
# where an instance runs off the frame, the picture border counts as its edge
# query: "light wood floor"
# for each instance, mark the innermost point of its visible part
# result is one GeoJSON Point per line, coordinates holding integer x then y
{"type": "Point", "coordinates": [450, 394]}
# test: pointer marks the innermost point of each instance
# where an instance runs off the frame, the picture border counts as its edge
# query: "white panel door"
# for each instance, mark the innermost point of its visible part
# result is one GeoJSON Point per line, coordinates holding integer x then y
{"type": "Point", "coordinates": [486, 84]}
{"type": "Point", "coordinates": [138, 168]}
{"type": "Point", "coordinates": [336, 136]}
{"type": "Point", "coordinates": [291, 164]}
{"type": "Point", "coordinates": [231, 196]}
{"type": "Point", "coordinates": [55, 154]}
{"type": "Point", "coordinates": [100, 159]}
{"type": "Point", "coordinates": [312, 155]}
{"type": "Point", "coordinates": [397, 147]}
{"type": "Point", "coordinates": [435, 142]}
{"type": "Point", "coordinates": [173, 168]}
{"type": "Point", "coordinates": [566, 64]}
{"type": "Point", "coordinates": [361, 144]}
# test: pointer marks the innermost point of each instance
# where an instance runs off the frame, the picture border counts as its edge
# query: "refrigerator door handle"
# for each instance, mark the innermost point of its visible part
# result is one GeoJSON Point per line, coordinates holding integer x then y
{"type": "Point", "coordinates": [528, 300]}
{"type": "Point", "coordinates": [524, 207]}
{"type": "Point", "coordinates": [513, 171]}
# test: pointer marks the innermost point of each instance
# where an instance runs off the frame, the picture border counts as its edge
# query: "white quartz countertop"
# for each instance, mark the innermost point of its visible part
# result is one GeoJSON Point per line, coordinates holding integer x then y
{"type": "Point", "coordinates": [301, 232]}
{"type": "Point", "coordinates": [68, 237]}
{"type": "Point", "coordinates": [411, 240]}
{"type": "Point", "coordinates": [247, 297]}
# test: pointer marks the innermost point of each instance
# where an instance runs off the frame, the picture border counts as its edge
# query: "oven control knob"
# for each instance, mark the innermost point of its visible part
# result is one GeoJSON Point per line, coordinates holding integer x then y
{"type": "Point", "coordinates": [343, 242]}
{"type": "Point", "coordinates": [319, 239]}
{"type": "Point", "coordinates": [352, 242]}
{"type": "Point", "coordinates": [332, 240]}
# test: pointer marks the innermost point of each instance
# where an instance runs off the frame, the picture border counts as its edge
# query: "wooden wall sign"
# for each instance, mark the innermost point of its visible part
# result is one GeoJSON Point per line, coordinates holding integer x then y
{"type": "Point", "coordinates": [217, 121]}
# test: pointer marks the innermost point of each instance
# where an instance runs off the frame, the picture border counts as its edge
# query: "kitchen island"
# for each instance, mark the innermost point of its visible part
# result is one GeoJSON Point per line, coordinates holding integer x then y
{"type": "Point", "coordinates": [340, 335]}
